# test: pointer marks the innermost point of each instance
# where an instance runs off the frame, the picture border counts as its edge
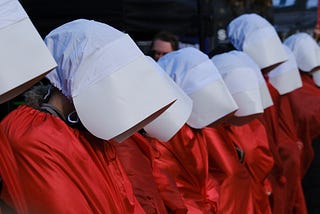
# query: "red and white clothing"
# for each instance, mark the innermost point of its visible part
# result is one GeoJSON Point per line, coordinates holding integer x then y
{"type": "Point", "coordinates": [63, 170]}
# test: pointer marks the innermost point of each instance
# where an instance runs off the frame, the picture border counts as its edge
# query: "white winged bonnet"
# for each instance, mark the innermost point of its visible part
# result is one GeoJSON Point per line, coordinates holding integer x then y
{"type": "Point", "coordinates": [115, 89]}
{"type": "Point", "coordinates": [25, 59]}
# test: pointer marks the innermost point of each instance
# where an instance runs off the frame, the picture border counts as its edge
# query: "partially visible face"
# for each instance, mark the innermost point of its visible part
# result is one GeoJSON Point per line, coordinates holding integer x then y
{"type": "Point", "coordinates": [160, 48]}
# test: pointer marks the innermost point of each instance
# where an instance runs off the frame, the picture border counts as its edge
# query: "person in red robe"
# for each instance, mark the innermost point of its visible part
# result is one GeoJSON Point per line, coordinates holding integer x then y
{"type": "Point", "coordinates": [16, 78]}
{"type": "Point", "coordinates": [68, 166]}
{"type": "Point", "coordinates": [155, 189]}
{"type": "Point", "coordinates": [185, 155]}
{"type": "Point", "coordinates": [244, 157]}
{"type": "Point", "coordinates": [240, 188]}
{"type": "Point", "coordinates": [258, 38]}
{"type": "Point", "coordinates": [305, 105]}
{"type": "Point", "coordinates": [71, 167]}
{"type": "Point", "coordinates": [304, 100]}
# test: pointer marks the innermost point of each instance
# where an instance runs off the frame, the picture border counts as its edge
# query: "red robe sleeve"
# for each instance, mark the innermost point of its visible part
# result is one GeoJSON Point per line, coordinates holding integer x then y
{"type": "Point", "coordinates": [252, 138]}
{"type": "Point", "coordinates": [239, 189]}
{"type": "Point", "coordinates": [11, 191]}
{"type": "Point", "coordinates": [63, 170]}
{"type": "Point", "coordinates": [185, 158]}
{"type": "Point", "coordinates": [152, 187]}
{"type": "Point", "coordinates": [221, 153]}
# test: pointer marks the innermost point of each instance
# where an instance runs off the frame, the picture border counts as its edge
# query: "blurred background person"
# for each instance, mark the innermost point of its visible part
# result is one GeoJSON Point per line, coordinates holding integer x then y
{"type": "Point", "coordinates": [163, 43]}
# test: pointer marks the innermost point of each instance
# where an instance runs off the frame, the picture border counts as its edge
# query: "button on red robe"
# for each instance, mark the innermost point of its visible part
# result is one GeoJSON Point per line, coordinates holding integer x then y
{"type": "Point", "coordinates": [154, 189]}
{"type": "Point", "coordinates": [63, 170]}
{"type": "Point", "coordinates": [185, 157]}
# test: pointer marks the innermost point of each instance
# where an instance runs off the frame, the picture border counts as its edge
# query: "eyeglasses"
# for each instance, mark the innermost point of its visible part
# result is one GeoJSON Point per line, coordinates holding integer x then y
{"type": "Point", "coordinates": [158, 53]}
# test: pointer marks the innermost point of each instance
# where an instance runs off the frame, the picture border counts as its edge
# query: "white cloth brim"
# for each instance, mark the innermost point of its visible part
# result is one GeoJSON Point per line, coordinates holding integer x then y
{"type": "Point", "coordinates": [170, 122]}
{"type": "Point", "coordinates": [210, 103]}
{"type": "Point", "coordinates": [265, 48]}
{"type": "Point", "coordinates": [25, 59]}
{"type": "Point", "coordinates": [124, 102]}
{"type": "Point", "coordinates": [286, 82]}
{"type": "Point", "coordinates": [249, 103]}
{"type": "Point", "coordinates": [316, 77]}
{"type": "Point", "coordinates": [309, 61]}
{"type": "Point", "coordinates": [265, 96]}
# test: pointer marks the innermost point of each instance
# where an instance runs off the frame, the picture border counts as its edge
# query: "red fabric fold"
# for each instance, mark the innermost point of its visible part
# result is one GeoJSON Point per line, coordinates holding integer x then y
{"type": "Point", "coordinates": [185, 157]}
{"type": "Point", "coordinates": [153, 188]}
{"type": "Point", "coordinates": [11, 192]}
{"type": "Point", "coordinates": [242, 184]}
{"type": "Point", "coordinates": [305, 104]}
{"type": "Point", "coordinates": [283, 141]}
{"type": "Point", "coordinates": [63, 170]}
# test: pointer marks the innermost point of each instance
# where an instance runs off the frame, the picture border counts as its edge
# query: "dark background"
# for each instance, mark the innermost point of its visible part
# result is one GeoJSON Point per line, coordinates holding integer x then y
{"type": "Point", "coordinates": [201, 22]}
{"type": "Point", "coordinates": [194, 21]}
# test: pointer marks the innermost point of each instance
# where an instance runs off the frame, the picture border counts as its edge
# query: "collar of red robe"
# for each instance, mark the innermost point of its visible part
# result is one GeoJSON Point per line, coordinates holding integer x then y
{"type": "Point", "coordinates": [52, 110]}
{"type": "Point", "coordinates": [45, 107]}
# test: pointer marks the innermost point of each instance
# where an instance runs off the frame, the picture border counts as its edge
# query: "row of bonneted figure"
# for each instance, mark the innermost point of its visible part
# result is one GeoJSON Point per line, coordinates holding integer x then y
{"type": "Point", "coordinates": [116, 132]}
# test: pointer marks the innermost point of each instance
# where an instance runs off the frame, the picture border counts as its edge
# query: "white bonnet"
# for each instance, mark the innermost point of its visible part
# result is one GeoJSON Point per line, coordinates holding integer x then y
{"type": "Point", "coordinates": [255, 36]}
{"type": "Point", "coordinates": [244, 80]}
{"type": "Point", "coordinates": [195, 73]}
{"type": "Point", "coordinates": [25, 59]}
{"type": "Point", "coordinates": [305, 50]}
{"type": "Point", "coordinates": [286, 77]}
{"type": "Point", "coordinates": [115, 89]}
{"type": "Point", "coordinates": [170, 122]}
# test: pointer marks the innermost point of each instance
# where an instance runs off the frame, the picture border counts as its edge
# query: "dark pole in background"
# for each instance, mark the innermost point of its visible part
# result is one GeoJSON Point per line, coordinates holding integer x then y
{"type": "Point", "coordinates": [201, 30]}
{"type": "Point", "coordinates": [205, 22]}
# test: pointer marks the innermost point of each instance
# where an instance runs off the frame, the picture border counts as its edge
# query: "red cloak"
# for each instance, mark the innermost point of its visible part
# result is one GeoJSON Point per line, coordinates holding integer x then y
{"type": "Point", "coordinates": [63, 170]}
{"type": "Point", "coordinates": [11, 192]}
